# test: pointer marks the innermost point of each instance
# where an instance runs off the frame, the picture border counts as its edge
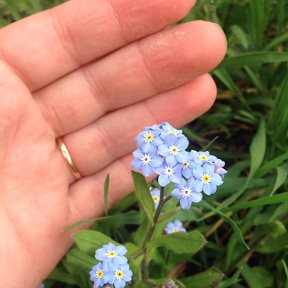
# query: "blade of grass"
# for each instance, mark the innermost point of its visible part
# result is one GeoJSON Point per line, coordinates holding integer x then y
{"type": "Point", "coordinates": [254, 58]}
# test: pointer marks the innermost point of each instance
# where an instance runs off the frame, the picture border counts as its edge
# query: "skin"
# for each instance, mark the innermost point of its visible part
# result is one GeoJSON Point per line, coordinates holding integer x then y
{"type": "Point", "coordinates": [94, 73]}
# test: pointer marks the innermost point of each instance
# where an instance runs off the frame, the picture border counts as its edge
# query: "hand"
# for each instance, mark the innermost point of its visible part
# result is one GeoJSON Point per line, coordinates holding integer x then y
{"type": "Point", "coordinates": [95, 74]}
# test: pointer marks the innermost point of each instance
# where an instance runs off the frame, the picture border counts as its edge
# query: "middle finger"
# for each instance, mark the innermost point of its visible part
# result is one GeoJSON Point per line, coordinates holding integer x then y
{"type": "Point", "coordinates": [145, 68]}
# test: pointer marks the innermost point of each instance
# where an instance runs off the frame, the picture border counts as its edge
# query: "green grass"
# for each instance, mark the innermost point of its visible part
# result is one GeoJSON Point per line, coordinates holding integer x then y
{"type": "Point", "coordinates": [250, 119]}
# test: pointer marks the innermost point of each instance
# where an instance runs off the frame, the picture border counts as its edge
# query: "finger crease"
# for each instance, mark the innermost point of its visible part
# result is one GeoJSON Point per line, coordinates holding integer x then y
{"type": "Point", "coordinates": [64, 35]}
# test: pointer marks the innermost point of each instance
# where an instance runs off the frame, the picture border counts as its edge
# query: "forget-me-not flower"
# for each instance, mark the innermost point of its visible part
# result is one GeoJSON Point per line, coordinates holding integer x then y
{"type": "Point", "coordinates": [174, 227]}
{"type": "Point", "coordinates": [99, 274]}
{"type": "Point", "coordinates": [168, 173]}
{"type": "Point", "coordinates": [120, 275]}
{"type": "Point", "coordinates": [173, 148]}
{"type": "Point", "coordinates": [146, 162]}
{"type": "Point", "coordinates": [112, 254]}
{"type": "Point", "coordinates": [186, 193]}
{"type": "Point", "coordinates": [206, 179]}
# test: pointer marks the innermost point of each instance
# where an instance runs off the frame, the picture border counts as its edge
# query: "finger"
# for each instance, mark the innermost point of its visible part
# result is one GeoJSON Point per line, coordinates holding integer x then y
{"type": "Point", "coordinates": [155, 64]}
{"type": "Point", "coordinates": [92, 188]}
{"type": "Point", "coordinates": [78, 32]}
{"type": "Point", "coordinates": [112, 136]}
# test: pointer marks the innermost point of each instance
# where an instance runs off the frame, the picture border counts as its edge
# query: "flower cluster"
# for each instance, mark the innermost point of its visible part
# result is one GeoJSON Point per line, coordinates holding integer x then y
{"type": "Point", "coordinates": [162, 150]}
{"type": "Point", "coordinates": [112, 268]}
{"type": "Point", "coordinates": [174, 227]}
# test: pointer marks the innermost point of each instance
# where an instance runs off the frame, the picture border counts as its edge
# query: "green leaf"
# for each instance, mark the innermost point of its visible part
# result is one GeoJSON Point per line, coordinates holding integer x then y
{"type": "Point", "coordinates": [228, 220]}
{"type": "Point", "coordinates": [257, 149]}
{"type": "Point", "coordinates": [250, 277]}
{"type": "Point", "coordinates": [79, 259]}
{"type": "Point", "coordinates": [88, 241]}
{"type": "Point", "coordinates": [269, 200]}
{"type": "Point", "coordinates": [143, 195]}
{"type": "Point", "coordinates": [273, 244]}
{"type": "Point", "coordinates": [168, 215]}
{"type": "Point", "coordinates": [263, 275]}
{"type": "Point", "coordinates": [254, 58]}
{"type": "Point", "coordinates": [269, 166]}
{"type": "Point", "coordinates": [62, 276]}
{"type": "Point", "coordinates": [280, 179]}
{"type": "Point", "coordinates": [180, 242]}
{"type": "Point", "coordinates": [106, 188]}
{"type": "Point", "coordinates": [207, 279]}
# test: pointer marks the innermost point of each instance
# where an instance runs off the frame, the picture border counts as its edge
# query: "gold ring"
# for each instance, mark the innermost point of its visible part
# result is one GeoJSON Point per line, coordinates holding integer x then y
{"type": "Point", "coordinates": [65, 153]}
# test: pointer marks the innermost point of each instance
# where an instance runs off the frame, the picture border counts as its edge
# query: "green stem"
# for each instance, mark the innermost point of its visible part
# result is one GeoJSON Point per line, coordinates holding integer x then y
{"type": "Point", "coordinates": [149, 234]}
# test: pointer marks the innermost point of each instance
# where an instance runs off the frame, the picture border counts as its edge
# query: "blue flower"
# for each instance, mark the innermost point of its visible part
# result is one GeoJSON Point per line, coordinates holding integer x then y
{"type": "Point", "coordinates": [146, 162]}
{"type": "Point", "coordinates": [167, 131]}
{"type": "Point", "coordinates": [112, 254]}
{"type": "Point", "coordinates": [120, 275]}
{"type": "Point", "coordinates": [149, 139]}
{"type": "Point", "coordinates": [186, 193]}
{"type": "Point", "coordinates": [218, 165]}
{"type": "Point", "coordinates": [173, 148]}
{"type": "Point", "coordinates": [187, 165]}
{"type": "Point", "coordinates": [99, 274]}
{"type": "Point", "coordinates": [206, 179]}
{"type": "Point", "coordinates": [42, 285]}
{"type": "Point", "coordinates": [155, 193]}
{"type": "Point", "coordinates": [168, 173]}
{"type": "Point", "coordinates": [174, 227]}
{"type": "Point", "coordinates": [202, 157]}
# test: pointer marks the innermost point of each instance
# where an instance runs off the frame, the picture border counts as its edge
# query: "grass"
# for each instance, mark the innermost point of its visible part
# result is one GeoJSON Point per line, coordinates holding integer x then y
{"type": "Point", "coordinates": [250, 119]}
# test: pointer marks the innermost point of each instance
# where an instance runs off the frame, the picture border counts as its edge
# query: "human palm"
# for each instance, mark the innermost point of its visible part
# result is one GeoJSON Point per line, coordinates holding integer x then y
{"type": "Point", "coordinates": [93, 74]}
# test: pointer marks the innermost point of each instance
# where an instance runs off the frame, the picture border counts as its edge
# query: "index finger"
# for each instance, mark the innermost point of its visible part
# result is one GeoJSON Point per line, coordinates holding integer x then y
{"type": "Point", "coordinates": [50, 44]}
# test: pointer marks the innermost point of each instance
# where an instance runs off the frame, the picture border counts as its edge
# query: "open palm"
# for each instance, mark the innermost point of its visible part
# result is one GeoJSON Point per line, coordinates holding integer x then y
{"type": "Point", "coordinates": [94, 73]}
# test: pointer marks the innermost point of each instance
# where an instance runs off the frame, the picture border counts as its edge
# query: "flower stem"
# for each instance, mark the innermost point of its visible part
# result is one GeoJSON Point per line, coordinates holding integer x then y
{"type": "Point", "coordinates": [149, 234]}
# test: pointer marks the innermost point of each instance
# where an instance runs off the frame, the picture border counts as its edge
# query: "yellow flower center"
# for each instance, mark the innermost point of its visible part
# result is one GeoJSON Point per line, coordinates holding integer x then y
{"type": "Point", "coordinates": [175, 229]}
{"type": "Point", "coordinates": [111, 254]}
{"type": "Point", "coordinates": [155, 199]}
{"type": "Point", "coordinates": [172, 132]}
{"type": "Point", "coordinates": [185, 165]}
{"type": "Point", "coordinates": [174, 150]}
{"type": "Point", "coordinates": [149, 137]}
{"type": "Point", "coordinates": [99, 274]}
{"type": "Point", "coordinates": [206, 178]}
{"type": "Point", "coordinates": [119, 274]}
{"type": "Point", "coordinates": [203, 157]}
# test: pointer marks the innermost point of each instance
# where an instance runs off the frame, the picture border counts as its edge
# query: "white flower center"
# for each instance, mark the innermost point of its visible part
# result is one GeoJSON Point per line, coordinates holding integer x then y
{"type": "Point", "coordinates": [168, 171]}
{"type": "Point", "coordinates": [146, 159]}
{"type": "Point", "coordinates": [186, 192]}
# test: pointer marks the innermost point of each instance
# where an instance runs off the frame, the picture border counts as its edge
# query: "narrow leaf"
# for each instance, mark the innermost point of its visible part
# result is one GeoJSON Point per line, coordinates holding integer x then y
{"type": "Point", "coordinates": [269, 200]}
{"type": "Point", "coordinates": [257, 149]}
{"type": "Point", "coordinates": [254, 58]}
{"type": "Point", "coordinates": [106, 188]}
